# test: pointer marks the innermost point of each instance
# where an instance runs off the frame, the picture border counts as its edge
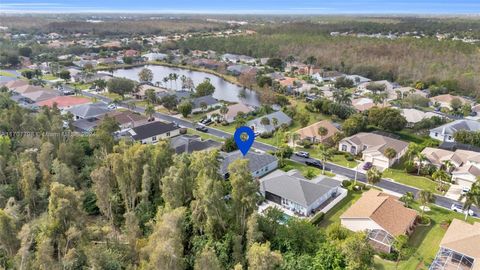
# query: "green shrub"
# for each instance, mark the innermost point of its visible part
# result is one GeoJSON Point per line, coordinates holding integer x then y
{"type": "Point", "coordinates": [349, 157]}
{"type": "Point", "coordinates": [346, 183]}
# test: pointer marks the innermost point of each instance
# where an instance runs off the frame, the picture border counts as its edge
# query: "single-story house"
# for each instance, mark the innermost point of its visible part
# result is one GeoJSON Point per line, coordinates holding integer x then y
{"type": "Point", "coordinates": [209, 101]}
{"type": "Point", "coordinates": [445, 101]}
{"type": "Point", "coordinates": [41, 95]}
{"type": "Point", "coordinates": [389, 86]}
{"type": "Point", "coordinates": [85, 125]}
{"type": "Point", "coordinates": [414, 116]}
{"type": "Point", "coordinates": [403, 92]}
{"type": "Point", "coordinates": [27, 88]}
{"type": "Point", "coordinates": [233, 111]}
{"type": "Point", "coordinates": [373, 148]}
{"type": "Point", "coordinates": [363, 104]}
{"type": "Point", "coordinates": [11, 85]}
{"type": "Point", "coordinates": [382, 216]}
{"type": "Point", "coordinates": [192, 143]}
{"type": "Point", "coordinates": [207, 63]}
{"type": "Point", "coordinates": [239, 69]}
{"type": "Point", "coordinates": [459, 248]}
{"type": "Point", "coordinates": [281, 119]}
{"type": "Point", "coordinates": [292, 191]}
{"type": "Point", "coordinates": [259, 164]}
{"type": "Point", "coordinates": [90, 110]}
{"type": "Point", "coordinates": [152, 132]}
{"type": "Point", "coordinates": [126, 119]}
{"type": "Point", "coordinates": [357, 79]}
{"type": "Point", "coordinates": [155, 56]}
{"type": "Point", "coordinates": [142, 91]}
{"type": "Point", "coordinates": [311, 132]}
{"type": "Point", "coordinates": [64, 102]}
{"type": "Point", "coordinates": [446, 132]}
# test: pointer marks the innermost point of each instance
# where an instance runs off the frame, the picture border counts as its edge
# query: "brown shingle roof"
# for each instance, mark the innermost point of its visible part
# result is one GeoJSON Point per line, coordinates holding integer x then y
{"type": "Point", "coordinates": [312, 130]}
{"type": "Point", "coordinates": [464, 238]}
{"type": "Point", "coordinates": [385, 210]}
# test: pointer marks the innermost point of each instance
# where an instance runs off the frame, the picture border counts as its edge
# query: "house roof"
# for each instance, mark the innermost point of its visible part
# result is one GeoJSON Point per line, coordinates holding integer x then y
{"type": "Point", "coordinates": [124, 117]}
{"type": "Point", "coordinates": [294, 187]}
{"type": "Point", "coordinates": [41, 95]}
{"type": "Point", "coordinates": [447, 98]}
{"type": "Point", "coordinates": [256, 160]}
{"type": "Point", "coordinates": [233, 110]}
{"type": "Point", "coordinates": [376, 142]}
{"type": "Point", "coordinates": [415, 116]}
{"type": "Point", "coordinates": [452, 127]}
{"type": "Point", "coordinates": [192, 143]}
{"type": "Point", "coordinates": [151, 129]}
{"type": "Point", "coordinates": [363, 104]}
{"type": "Point", "coordinates": [384, 209]}
{"type": "Point", "coordinates": [463, 238]}
{"type": "Point", "coordinates": [15, 83]}
{"type": "Point", "coordinates": [312, 130]}
{"type": "Point", "coordinates": [279, 115]}
{"type": "Point", "coordinates": [86, 124]}
{"type": "Point", "coordinates": [27, 88]}
{"type": "Point", "coordinates": [64, 101]}
{"type": "Point", "coordinates": [89, 110]}
{"type": "Point", "coordinates": [209, 100]}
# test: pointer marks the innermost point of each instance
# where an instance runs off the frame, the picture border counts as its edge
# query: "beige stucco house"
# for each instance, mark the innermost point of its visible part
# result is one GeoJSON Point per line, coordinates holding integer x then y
{"type": "Point", "coordinates": [373, 147]}
{"type": "Point", "coordinates": [382, 216]}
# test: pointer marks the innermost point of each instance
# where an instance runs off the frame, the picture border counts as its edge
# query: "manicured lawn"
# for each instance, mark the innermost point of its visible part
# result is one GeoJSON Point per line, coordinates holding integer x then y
{"type": "Point", "coordinates": [425, 240]}
{"type": "Point", "coordinates": [307, 171]}
{"type": "Point", "coordinates": [49, 77]}
{"type": "Point", "coordinates": [112, 95]}
{"type": "Point", "coordinates": [420, 182]}
{"type": "Point", "coordinates": [334, 214]}
{"type": "Point", "coordinates": [342, 161]}
{"type": "Point", "coordinates": [7, 74]}
{"type": "Point", "coordinates": [203, 135]}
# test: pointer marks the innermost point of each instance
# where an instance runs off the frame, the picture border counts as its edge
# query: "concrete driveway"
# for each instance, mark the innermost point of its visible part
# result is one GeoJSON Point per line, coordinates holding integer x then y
{"type": "Point", "coordinates": [454, 192]}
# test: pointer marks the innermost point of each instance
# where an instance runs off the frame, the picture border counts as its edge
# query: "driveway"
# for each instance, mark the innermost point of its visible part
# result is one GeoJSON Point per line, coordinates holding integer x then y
{"type": "Point", "coordinates": [454, 192]}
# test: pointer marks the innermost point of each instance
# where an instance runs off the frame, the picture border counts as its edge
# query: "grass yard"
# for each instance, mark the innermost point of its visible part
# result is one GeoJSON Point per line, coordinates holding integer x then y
{"type": "Point", "coordinates": [7, 74]}
{"type": "Point", "coordinates": [420, 182]}
{"type": "Point", "coordinates": [203, 135]}
{"type": "Point", "coordinates": [425, 239]}
{"type": "Point", "coordinates": [307, 171]}
{"type": "Point", "coordinates": [112, 95]}
{"type": "Point", "coordinates": [342, 161]}
{"type": "Point", "coordinates": [49, 77]}
{"type": "Point", "coordinates": [334, 214]}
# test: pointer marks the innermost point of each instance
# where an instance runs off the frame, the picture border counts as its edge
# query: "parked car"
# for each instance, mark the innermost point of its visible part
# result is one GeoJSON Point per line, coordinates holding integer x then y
{"type": "Point", "coordinates": [458, 208]}
{"type": "Point", "coordinates": [112, 106]}
{"type": "Point", "coordinates": [313, 163]}
{"type": "Point", "coordinates": [303, 154]}
{"type": "Point", "coordinates": [202, 128]}
{"type": "Point", "coordinates": [367, 166]}
{"type": "Point", "coordinates": [256, 133]}
{"type": "Point", "coordinates": [464, 191]}
{"type": "Point", "coordinates": [206, 121]}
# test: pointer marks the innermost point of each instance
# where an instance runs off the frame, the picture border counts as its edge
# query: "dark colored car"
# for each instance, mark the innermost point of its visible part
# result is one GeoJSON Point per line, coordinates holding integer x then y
{"type": "Point", "coordinates": [202, 128]}
{"type": "Point", "coordinates": [367, 166]}
{"type": "Point", "coordinates": [314, 163]}
{"type": "Point", "coordinates": [206, 121]}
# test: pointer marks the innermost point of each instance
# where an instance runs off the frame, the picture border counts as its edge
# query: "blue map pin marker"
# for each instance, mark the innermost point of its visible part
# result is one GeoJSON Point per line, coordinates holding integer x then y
{"type": "Point", "coordinates": [244, 146]}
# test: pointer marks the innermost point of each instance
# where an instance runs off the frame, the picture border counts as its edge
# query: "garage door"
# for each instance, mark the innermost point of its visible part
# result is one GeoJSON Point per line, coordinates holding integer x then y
{"type": "Point", "coordinates": [380, 163]}
{"type": "Point", "coordinates": [463, 183]}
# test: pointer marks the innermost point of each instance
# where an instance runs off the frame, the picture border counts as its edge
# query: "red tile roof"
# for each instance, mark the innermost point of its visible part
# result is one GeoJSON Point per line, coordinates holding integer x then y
{"type": "Point", "coordinates": [64, 101]}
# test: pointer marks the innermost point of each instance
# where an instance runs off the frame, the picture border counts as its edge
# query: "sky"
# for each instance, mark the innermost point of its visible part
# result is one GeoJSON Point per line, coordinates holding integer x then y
{"type": "Point", "coordinates": [246, 6]}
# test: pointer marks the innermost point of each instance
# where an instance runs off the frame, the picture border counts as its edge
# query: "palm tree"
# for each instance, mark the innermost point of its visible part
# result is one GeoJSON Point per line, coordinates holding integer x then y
{"type": "Point", "coordinates": [408, 199]}
{"type": "Point", "coordinates": [343, 97]}
{"type": "Point", "coordinates": [448, 165]}
{"type": "Point", "coordinates": [203, 106]}
{"type": "Point", "coordinates": [223, 111]}
{"type": "Point", "coordinates": [274, 121]}
{"type": "Point", "coordinates": [295, 138]}
{"type": "Point", "coordinates": [324, 155]}
{"type": "Point", "coordinates": [390, 153]}
{"type": "Point", "coordinates": [374, 176]}
{"type": "Point", "coordinates": [441, 177]}
{"type": "Point", "coordinates": [472, 197]}
{"type": "Point", "coordinates": [149, 111]}
{"type": "Point", "coordinates": [165, 80]}
{"type": "Point", "coordinates": [425, 197]}
{"type": "Point", "coordinates": [265, 121]}
{"type": "Point", "coordinates": [183, 79]}
{"type": "Point", "coordinates": [322, 131]}
{"type": "Point", "coordinates": [175, 78]}
{"type": "Point", "coordinates": [420, 159]}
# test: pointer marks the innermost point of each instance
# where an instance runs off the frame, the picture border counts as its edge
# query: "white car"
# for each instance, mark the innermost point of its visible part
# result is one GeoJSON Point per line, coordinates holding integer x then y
{"type": "Point", "coordinates": [112, 106]}
{"type": "Point", "coordinates": [459, 208]}
{"type": "Point", "coordinates": [303, 154]}
{"type": "Point", "coordinates": [465, 190]}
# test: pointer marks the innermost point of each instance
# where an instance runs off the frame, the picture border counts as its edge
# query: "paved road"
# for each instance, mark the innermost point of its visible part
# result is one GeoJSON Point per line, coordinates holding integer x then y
{"type": "Point", "coordinates": [384, 184]}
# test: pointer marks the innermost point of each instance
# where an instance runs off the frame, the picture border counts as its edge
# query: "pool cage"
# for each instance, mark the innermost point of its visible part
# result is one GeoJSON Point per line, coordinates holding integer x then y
{"type": "Point", "coordinates": [448, 259]}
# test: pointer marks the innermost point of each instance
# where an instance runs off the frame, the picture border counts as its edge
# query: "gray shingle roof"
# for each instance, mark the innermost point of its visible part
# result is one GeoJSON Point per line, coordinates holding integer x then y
{"type": "Point", "coordinates": [152, 129]}
{"type": "Point", "coordinates": [256, 160]}
{"type": "Point", "coordinates": [292, 186]}
{"type": "Point", "coordinates": [89, 110]}
{"type": "Point", "coordinates": [195, 143]}
{"type": "Point", "coordinates": [279, 115]}
{"type": "Point", "coordinates": [209, 100]}
{"type": "Point", "coordinates": [451, 128]}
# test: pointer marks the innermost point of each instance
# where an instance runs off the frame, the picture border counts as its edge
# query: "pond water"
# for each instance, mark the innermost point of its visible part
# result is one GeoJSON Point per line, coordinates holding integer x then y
{"type": "Point", "coordinates": [224, 90]}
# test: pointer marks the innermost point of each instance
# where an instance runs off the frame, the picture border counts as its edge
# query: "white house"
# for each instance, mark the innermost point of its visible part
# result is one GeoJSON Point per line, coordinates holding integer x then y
{"type": "Point", "coordinates": [259, 164]}
{"type": "Point", "coordinates": [292, 191]}
{"type": "Point", "coordinates": [446, 132]}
